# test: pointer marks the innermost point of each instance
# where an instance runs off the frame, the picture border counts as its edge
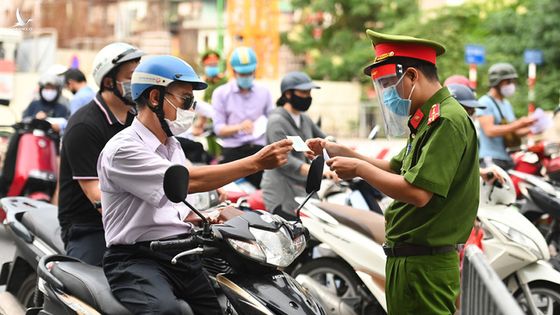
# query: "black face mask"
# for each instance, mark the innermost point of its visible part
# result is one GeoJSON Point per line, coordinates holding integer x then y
{"type": "Point", "coordinates": [300, 103]}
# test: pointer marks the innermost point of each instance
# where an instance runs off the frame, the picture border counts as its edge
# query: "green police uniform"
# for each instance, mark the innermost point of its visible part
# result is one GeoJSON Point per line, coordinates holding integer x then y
{"type": "Point", "coordinates": [441, 157]}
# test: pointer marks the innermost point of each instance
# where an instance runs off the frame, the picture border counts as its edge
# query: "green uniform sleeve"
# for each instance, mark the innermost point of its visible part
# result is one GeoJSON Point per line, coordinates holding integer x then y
{"type": "Point", "coordinates": [439, 159]}
{"type": "Point", "coordinates": [397, 161]}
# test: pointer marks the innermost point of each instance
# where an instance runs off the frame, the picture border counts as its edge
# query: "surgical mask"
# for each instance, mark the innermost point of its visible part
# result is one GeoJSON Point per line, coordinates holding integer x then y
{"type": "Point", "coordinates": [395, 102]}
{"type": "Point", "coordinates": [183, 120]}
{"type": "Point", "coordinates": [245, 82]}
{"type": "Point", "coordinates": [126, 90]}
{"type": "Point", "coordinates": [301, 104]}
{"type": "Point", "coordinates": [49, 95]}
{"type": "Point", "coordinates": [211, 71]}
{"type": "Point", "coordinates": [507, 90]}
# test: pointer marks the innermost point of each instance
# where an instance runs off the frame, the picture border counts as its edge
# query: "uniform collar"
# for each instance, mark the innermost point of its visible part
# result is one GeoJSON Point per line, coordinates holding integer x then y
{"type": "Point", "coordinates": [150, 139]}
{"type": "Point", "coordinates": [422, 114]}
{"type": "Point", "coordinates": [108, 114]}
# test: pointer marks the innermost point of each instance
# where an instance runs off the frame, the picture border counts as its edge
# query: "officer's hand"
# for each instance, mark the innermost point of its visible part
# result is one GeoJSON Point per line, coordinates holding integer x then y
{"type": "Point", "coordinates": [273, 155]}
{"type": "Point", "coordinates": [246, 126]}
{"type": "Point", "coordinates": [345, 168]}
{"type": "Point", "coordinates": [316, 145]}
{"type": "Point", "coordinates": [41, 115]}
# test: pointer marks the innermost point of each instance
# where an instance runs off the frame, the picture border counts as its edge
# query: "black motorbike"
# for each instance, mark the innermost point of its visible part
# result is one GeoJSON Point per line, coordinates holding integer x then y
{"type": "Point", "coordinates": [255, 246]}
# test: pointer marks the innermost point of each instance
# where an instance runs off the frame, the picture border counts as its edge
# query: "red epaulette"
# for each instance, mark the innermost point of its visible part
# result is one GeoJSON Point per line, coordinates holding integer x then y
{"type": "Point", "coordinates": [434, 114]}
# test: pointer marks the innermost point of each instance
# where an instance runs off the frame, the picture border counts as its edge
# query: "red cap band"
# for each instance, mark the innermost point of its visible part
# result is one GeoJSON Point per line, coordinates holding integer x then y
{"type": "Point", "coordinates": [383, 71]}
{"type": "Point", "coordinates": [386, 50]}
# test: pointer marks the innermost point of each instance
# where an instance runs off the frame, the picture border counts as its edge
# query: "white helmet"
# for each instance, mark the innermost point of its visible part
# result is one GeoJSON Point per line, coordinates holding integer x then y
{"type": "Point", "coordinates": [50, 78]}
{"type": "Point", "coordinates": [493, 194]}
{"type": "Point", "coordinates": [110, 57]}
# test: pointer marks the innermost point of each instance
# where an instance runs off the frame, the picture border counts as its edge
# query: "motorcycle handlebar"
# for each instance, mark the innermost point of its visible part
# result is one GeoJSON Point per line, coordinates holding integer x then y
{"type": "Point", "coordinates": [182, 244]}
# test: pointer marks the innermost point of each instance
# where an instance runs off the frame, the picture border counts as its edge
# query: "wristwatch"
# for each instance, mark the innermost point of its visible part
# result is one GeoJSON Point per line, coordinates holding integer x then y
{"type": "Point", "coordinates": [97, 204]}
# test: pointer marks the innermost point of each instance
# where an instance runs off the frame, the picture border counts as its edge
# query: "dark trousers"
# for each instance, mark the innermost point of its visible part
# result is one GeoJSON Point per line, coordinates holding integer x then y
{"type": "Point", "coordinates": [233, 154]}
{"type": "Point", "coordinates": [146, 282]}
{"type": "Point", "coordinates": [85, 242]}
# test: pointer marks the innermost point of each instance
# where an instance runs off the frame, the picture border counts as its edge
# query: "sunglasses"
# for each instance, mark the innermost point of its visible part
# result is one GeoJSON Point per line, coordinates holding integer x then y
{"type": "Point", "coordinates": [187, 101]}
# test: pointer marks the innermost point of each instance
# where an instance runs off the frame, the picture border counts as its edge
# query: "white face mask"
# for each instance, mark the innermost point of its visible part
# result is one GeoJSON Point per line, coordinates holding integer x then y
{"type": "Point", "coordinates": [183, 121]}
{"type": "Point", "coordinates": [49, 95]}
{"type": "Point", "coordinates": [507, 90]}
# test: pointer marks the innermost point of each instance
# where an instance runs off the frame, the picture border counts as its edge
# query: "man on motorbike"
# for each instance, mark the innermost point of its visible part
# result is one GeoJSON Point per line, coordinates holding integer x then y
{"type": "Point", "coordinates": [50, 88]}
{"type": "Point", "coordinates": [499, 127]}
{"type": "Point", "coordinates": [434, 179]}
{"type": "Point", "coordinates": [136, 211]}
{"type": "Point", "coordinates": [86, 134]}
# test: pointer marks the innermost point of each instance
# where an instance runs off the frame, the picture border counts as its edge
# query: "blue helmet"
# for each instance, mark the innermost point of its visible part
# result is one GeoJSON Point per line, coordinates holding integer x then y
{"type": "Point", "coordinates": [243, 60]}
{"type": "Point", "coordinates": [161, 71]}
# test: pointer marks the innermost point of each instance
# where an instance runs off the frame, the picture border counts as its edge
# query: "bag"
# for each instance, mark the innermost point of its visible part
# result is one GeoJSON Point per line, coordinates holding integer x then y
{"type": "Point", "coordinates": [511, 140]}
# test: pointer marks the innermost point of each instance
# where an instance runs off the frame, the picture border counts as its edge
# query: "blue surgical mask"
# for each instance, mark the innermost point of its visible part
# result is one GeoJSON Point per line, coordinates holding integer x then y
{"type": "Point", "coordinates": [395, 102]}
{"type": "Point", "coordinates": [211, 71]}
{"type": "Point", "coordinates": [245, 82]}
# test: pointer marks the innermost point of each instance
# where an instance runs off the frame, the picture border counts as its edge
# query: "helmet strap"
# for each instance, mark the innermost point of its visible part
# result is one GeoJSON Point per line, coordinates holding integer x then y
{"type": "Point", "coordinates": [158, 110]}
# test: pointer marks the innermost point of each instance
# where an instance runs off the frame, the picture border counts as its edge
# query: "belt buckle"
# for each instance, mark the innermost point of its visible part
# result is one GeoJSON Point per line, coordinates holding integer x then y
{"type": "Point", "coordinates": [389, 249]}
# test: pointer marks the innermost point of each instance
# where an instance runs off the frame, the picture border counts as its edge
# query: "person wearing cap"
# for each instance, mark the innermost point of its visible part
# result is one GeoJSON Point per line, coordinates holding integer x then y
{"type": "Point", "coordinates": [212, 74]}
{"type": "Point", "coordinates": [136, 211]}
{"type": "Point", "coordinates": [281, 185]}
{"type": "Point", "coordinates": [237, 106]}
{"type": "Point", "coordinates": [433, 180]}
{"type": "Point", "coordinates": [87, 132]}
{"type": "Point", "coordinates": [466, 97]}
{"type": "Point", "coordinates": [458, 79]}
{"type": "Point", "coordinates": [497, 120]}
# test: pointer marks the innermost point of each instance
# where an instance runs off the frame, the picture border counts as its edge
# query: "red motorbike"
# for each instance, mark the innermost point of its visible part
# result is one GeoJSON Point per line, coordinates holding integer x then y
{"type": "Point", "coordinates": [539, 159]}
{"type": "Point", "coordinates": [30, 166]}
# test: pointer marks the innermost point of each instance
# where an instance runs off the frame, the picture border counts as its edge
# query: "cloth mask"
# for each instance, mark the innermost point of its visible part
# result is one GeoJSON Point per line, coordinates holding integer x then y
{"type": "Point", "coordinates": [49, 95]}
{"type": "Point", "coordinates": [507, 90]}
{"type": "Point", "coordinates": [300, 103]}
{"type": "Point", "coordinates": [183, 121]}
{"type": "Point", "coordinates": [211, 71]}
{"type": "Point", "coordinates": [245, 82]}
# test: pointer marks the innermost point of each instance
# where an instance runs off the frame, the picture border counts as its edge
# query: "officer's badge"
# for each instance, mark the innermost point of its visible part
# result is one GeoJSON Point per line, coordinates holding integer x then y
{"type": "Point", "coordinates": [434, 114]}
{"type": "Point", "coordinates": [416, 119]}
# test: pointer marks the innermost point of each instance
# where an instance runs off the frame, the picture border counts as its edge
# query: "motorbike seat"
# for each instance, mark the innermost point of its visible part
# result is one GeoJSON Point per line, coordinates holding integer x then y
{"type": "Point", "coordinates": [368, 223]}
{"type": "Point", "coordinates": [547, 203]}
{"type": "Point", "coordinates": [88, 283]}
{"type": "Point", "coordinates": [43, 223]}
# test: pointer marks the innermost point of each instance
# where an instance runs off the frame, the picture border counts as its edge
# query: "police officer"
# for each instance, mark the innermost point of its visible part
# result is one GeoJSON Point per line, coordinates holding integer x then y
{"type": "Point", "coordinates": [434, 179]}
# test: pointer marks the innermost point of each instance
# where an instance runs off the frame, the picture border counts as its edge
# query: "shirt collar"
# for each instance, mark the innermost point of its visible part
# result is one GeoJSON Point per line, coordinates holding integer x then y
{"type": "Point", "coordinates": [111, 118]}
{"type": "Point", "coordinates": [150, 139]}
{"type": "Point", "coordinates": [437, 98]}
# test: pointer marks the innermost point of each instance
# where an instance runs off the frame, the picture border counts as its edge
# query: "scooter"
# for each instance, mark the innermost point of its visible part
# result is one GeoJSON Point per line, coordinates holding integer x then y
{"type": "Point", "coordinates": [349, 262]}
{"type": "Point", "coordinates": [30, 167]}
{"type": "Point", "coordinates": [255, 245]}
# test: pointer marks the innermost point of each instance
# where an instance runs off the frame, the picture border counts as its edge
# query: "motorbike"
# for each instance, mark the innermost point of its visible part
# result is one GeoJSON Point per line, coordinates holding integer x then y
{"type": "Point", "coordinates": [255, 245]}
{"type": "Point", "coordinates": [349, 263]}
{"type": "Point", "coordinates": [30, 166]}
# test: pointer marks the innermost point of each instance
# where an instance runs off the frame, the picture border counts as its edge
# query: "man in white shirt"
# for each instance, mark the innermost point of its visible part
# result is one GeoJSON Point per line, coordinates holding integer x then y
{"type": "Point", "coordinates": [136, 211]}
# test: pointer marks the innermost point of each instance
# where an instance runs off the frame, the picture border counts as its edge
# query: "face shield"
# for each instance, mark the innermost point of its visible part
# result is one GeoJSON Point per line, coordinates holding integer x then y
{"type": "Point", "coordinates": [387, 81]}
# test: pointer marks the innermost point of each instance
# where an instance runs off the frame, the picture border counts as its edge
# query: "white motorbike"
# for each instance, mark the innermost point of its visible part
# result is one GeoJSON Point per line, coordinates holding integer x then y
{"type": "Point", "coordinates": [349, 263]}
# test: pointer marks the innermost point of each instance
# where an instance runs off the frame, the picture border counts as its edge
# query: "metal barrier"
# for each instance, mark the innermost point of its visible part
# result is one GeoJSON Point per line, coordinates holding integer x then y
{"type": "Point", "coordinates": [482, 291]}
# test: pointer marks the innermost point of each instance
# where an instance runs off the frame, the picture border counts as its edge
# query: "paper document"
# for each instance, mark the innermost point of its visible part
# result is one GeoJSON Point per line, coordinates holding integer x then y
{"type": "Point", "coordinates": [259, 126]}
{"type": "Point", "coordinates": [298, 144]}
{"type": "Point", "coordinates": [542, 121]}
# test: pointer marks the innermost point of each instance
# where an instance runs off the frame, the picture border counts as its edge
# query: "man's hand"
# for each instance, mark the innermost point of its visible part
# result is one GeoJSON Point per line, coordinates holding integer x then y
{"type": "Point", "coordinates": [345, 168]}
{"type": "Point", "coordinates": [331, 175]}
{"type": "Point", "coordinates": [333, 149]}
{"type": "Point", "coordinates": [41, 115]}
{"type": "Point", "coordinates": [490, 175]}
{"type": "Point", "coordinates": [246, 126]}
{"type": "Point", "coordinates": [273, 155]}
{"type": "Point", "coordinates": [228, 213]}
{"type": "Point", "coordinates": [222, 194]}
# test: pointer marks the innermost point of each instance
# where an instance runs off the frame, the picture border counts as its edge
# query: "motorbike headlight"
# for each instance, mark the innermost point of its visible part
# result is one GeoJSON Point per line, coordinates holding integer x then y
{"type": "Point", "coordinates": [518, 237]}
{"type": "Point", "coordinates": [275, 248]}
{"type": "Point", "coordinates": [249, 249]}
{"type": "Point", "coordinates": [279, 247]}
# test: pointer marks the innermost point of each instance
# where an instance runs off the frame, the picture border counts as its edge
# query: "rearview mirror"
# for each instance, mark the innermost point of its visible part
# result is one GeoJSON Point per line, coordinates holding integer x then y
{"type": "Point", "coordinates": [315, 175]}
{"type": "Point", "coordinates": [176, 183]}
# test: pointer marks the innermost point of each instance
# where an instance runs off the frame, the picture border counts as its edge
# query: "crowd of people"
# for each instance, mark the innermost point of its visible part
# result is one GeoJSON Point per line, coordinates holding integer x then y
{"type": "Point", "coordinates": [118, 142]}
